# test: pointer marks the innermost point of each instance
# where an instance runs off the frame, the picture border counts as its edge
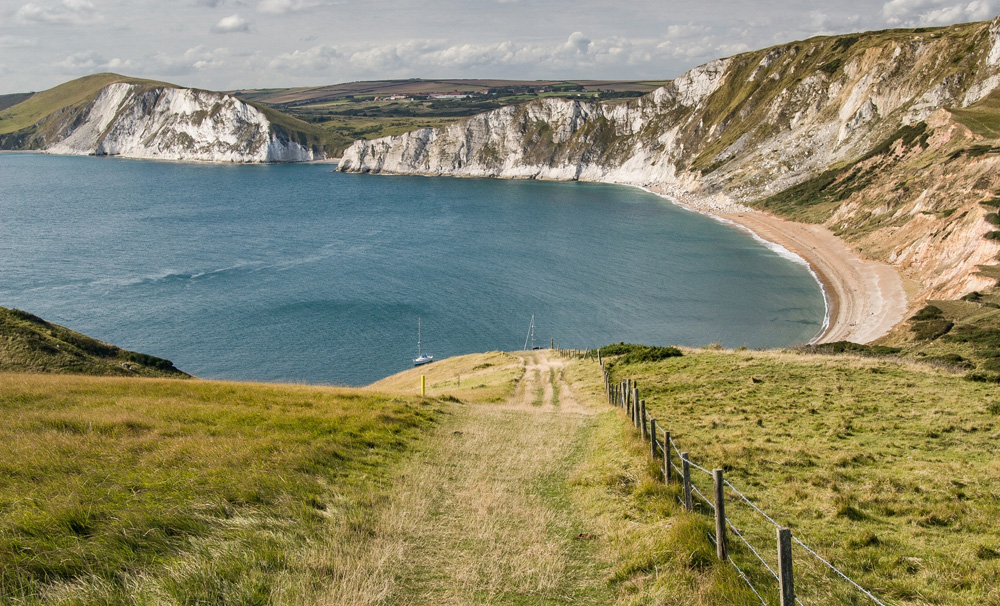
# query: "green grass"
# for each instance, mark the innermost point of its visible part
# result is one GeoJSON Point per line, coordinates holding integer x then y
{"type": "Point", "coordinates": [982, 117]}
{"type": "Point", "coordinates": [30, 344]}
{"type": "Point", "coordinates": [888, 468]}
{"type": "Point", "coordinates": [123, 491]}
{"type": "Point", "coordinates": [71, 94]}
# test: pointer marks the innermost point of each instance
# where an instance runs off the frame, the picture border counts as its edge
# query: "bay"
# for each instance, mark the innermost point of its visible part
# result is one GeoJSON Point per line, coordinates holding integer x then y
{"type": "Point", "coordinates": [299, 273]}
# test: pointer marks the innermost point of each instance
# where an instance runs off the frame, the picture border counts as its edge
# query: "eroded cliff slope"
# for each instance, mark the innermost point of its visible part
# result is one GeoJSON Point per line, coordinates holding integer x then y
{"type": "Point", "coordinates": [742, 130]}
{"type": "Point", "coordinates": [114, 116]}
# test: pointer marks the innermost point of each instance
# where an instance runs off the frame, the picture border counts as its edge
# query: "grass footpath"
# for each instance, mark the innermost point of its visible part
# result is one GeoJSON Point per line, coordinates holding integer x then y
{"type": "Point", "coordinates": [541, 495]}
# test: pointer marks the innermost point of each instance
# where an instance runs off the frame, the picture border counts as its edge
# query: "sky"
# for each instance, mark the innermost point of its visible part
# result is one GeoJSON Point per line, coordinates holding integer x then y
{"type": "Point", "coordinates": [231, 44]}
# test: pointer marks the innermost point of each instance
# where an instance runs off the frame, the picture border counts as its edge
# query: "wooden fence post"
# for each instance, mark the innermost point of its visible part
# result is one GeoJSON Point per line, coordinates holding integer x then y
{"type": "Point", "coordinates": [642, 419]}
{"type": "Point", "coordinates": [686, 473]}
{"type": "Point", "coordinates": [652, 438]}
{"type": "Point", "coordinates": [720, 515]}
{"type": "Point", "coordinates": [635, 398]}
{"type": "Point", "coordinates": [786, 586]}
{"type": "Point", "coordinates": [668, 468]}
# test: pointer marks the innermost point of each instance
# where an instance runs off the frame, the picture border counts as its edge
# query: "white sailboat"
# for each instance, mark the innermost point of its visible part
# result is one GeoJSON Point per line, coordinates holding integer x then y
{"type": "Point", "coordinates": [421, 358]}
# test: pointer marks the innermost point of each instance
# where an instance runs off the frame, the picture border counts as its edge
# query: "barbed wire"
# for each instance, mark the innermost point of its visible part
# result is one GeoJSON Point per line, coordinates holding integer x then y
{"type": "Point", "coordinates": [751, 504]}
{"type": "Point", "coordinates": [670, 443]}
{"type": "Point", "coordinates": [835, 569]}
{"type": "Point", "coordinates": [695, 490]}
{"type": "Point", "coordinates": [747, 543]}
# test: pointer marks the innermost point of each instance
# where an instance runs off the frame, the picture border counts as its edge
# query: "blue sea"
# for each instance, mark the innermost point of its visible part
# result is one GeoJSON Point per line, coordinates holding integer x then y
{"type": "Point", "coordinates": [297, 273]}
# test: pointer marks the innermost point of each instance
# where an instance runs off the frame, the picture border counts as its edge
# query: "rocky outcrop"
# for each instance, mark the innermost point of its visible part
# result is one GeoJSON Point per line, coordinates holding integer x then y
{"type": "Point", "coordinates": [740, 130]}
{"type": "Point", "coordinates": [165, 123]}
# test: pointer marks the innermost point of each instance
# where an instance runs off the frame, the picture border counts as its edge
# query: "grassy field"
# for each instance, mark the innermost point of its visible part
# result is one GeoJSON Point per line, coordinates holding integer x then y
{"type": "Point", "coordinates": [888, 468]}
{"type": "Point", "coordinates": [511, 482]}
{"type": "Point", "coordinates": [124, 491]}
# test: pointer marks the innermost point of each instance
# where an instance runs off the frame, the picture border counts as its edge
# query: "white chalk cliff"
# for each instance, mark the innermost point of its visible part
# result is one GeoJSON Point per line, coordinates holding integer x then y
{"type": "Point", "coordinates": [164, 123]}
{"type": "Point", "coordinates": [739, 130]}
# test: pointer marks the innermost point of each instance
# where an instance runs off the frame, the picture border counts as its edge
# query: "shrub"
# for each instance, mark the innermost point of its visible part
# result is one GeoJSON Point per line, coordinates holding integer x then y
{"type": "Point", "coordinates": [839, 347]}
{"type": "Point", "coordinates": [929, 312]}
{"type": "Point", "coordinates": [634, 354]}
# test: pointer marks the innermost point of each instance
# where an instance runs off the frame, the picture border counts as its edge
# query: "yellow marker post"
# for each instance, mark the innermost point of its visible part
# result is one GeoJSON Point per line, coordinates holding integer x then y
{"type": "Point", "coordinates": [423, 385]}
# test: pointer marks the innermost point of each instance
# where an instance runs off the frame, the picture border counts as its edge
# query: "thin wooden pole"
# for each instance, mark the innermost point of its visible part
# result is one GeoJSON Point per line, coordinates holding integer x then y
{"type": "Point", "coordinates": [642, 419]}
{"type": "Point", "coordinates": [787, 587]}
{"type": "Point", "coordinates": [686, 473]}
{"type": "Point", "coordinates": [720, 515]}
{"type": "Point", "coordinates": [652, 438]}
{"type": "Point", "coordinates": [668, 467]}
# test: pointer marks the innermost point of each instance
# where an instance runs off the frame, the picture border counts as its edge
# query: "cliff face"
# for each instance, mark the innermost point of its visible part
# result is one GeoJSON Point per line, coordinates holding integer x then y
{"type": "Point", "coordinates": [143, 120]}
{"type": "Point", "coordinates": [174, 124]}
{"type": "Point", "coordinates": [738, 131]}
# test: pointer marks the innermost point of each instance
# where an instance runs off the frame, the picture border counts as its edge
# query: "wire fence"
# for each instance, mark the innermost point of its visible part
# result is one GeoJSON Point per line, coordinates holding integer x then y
{"type": "Point", "coordinates": [761, 550]}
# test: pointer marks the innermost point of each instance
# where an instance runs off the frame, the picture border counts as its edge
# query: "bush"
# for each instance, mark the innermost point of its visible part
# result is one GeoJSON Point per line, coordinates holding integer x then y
{"type": "Point", "coordinates": [929, 312]}
{"type": "Point", "coordinates": [150, 361]}
{"type": "Point", "coordinates": [634, 354]}
{"type": "Point", "coordinates": [839, 347]}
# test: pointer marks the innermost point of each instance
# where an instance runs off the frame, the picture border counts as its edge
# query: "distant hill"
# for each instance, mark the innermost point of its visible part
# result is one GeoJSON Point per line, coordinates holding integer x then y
{"type": "Point", "coordinates": [419, 86]}
{"type": "Point", "coordinates": [30, 344]}
{"type": "Point", "coordinates": [369, 110]}
{"type": "Point", "coordinates": [110, 114]}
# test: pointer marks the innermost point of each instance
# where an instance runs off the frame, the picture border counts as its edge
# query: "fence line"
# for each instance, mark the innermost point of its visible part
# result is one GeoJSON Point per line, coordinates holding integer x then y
{"type": "Point", "coordinates": [625, 395]}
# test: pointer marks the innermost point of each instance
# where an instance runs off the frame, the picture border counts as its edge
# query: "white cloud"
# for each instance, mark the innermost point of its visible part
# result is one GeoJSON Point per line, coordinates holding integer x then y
{"type": "Point", "coordinates": [194, 59]}
{"type": "Point", "coordinates": [578, 43]}
{"type": "Point", "coordinates": [281, 7]}
{"type": "Point", "coordinates": [579, 54]}
{"type": "Point", "coordinates": [317, 58]}
{"type": "Point", "coordinates": [17, 42]}
{"type": "Point", "coordinates": [92, 61]}
{"type": "Point", "coordinates": [231, 24]}
{"type": "Point", "coordinates": [914, 13]}
{"type": "Point", "coordinates": [67, 12]}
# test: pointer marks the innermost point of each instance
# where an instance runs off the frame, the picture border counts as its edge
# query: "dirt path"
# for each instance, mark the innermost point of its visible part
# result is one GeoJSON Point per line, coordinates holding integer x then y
{"type": "Point", "coordinates": [483, 515]}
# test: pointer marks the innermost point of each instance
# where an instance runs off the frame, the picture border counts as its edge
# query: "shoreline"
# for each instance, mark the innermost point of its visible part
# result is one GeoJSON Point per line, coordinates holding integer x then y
{"type": "Point", "coordinates": [864, 299]}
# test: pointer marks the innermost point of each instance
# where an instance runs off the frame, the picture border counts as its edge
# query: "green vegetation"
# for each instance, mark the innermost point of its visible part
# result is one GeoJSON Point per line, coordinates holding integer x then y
{"type": "Point", "coordinates": [887, 468]}
{"type": "Point", "coordinates": [639, 353]}
{"type": "Point", "coordinates": [370, 110]}
{"type": "Point", "coordinates": [124, 491]}
{"type": "Point", "coordinates": [30, 344]}
{"type": "Point", "coordinates": [73, 94]}
{"type": "Point", "coordinates": [982, 117]}
{"type": "Point", "coordinates": [840, 347]}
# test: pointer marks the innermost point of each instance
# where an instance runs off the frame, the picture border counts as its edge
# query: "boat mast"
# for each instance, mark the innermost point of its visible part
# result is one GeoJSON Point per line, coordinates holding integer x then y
{"type": "Point", "coordinates": [531, 333]}
{"type": "Point", "coordinates": [418, 336]}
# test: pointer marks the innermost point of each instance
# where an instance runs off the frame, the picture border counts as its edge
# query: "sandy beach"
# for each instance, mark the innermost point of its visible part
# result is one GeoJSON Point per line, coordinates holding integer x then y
{"type": "Point", "coordinates": [864, 299]}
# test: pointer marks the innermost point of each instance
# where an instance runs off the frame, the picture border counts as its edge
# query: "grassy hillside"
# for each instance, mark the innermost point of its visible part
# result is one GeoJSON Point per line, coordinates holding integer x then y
{"type": "Point", "coordinates": [30, 344]}
{"type": "Point", "coordinates": [64, 98]}
{"type": "Point", "coordinates": [117, 491]}
{"type": "Point", "coordinates": [888, 468]}
{"type": "Point", "coordinates": [511, 482]}
{"type": "Point", "coordinates": [20, 123]}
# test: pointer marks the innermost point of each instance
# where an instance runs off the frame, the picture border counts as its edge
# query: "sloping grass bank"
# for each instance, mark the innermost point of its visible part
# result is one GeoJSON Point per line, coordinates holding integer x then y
{"type": "Point", "coordinates": [888, 468]}
{"type": "Point", "coordinates": [124, 491]}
